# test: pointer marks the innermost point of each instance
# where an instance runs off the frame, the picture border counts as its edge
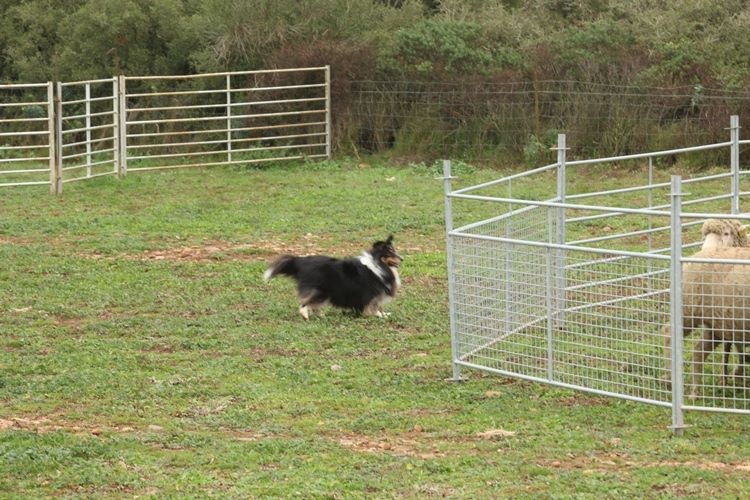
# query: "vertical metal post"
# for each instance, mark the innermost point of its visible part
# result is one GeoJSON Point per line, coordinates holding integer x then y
{"type": "Point", "coordinates": [508, 263]}
{"type": "Point", "coordinates": [455, 347]}
{"type": "Point", "coordinates": [560, 270]}
{"type": "Point", "coordinates": [734, 137]}
{"type": "Point", "coordinates": [550, 298]}
{"type": "Point", "coordinates": [115, 126]}
{"type": "Point", "coordinates": [328, 110]}
{"type": "Point", "coordinates": [52, 140]}
{"type": "Point", "coordinates": [229, 118]}
{"type": "Point", "coordinates": [123, 126]}
{"type": "Point", "coordinates": [58, 140]}
{"type": "Point", "coordinates": [676, 306]}
{"type": "Point", "coordinates": [650, 219]}
{"type": "Point", "coordinates": [87, 90]}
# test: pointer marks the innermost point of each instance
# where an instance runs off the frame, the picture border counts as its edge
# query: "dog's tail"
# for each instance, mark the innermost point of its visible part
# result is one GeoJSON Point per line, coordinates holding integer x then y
{"type": "Point", "coordinates": [286, 265]}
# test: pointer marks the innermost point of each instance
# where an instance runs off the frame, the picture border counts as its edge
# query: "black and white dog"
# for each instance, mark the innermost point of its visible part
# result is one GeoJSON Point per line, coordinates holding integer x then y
{"type": "Point", "coordinates": [363, 284]}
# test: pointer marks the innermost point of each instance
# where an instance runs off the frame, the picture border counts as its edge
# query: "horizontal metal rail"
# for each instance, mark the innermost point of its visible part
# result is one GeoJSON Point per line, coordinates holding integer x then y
{"type": "Point", "coordinates": [223, 91]}
{"type": "Point", "coordinates": [92, 176]}
{"type": "Point", "coordinates": [92, 142]}
{"type": "Point", "coordinates": [243, 150]}
{"type": "Point", "coordinates": [84, 129]}
{"type": "Point", "coordinates": [229, 73]}
{"type": "Point", "coordinates": [29, 183]}
{"type": "Point", "coordinates": [640, 156]}
{"type": "Point", "coordinates": [20, 160]}
{"type": "Point", "coordinates": [222, 141]}
{"type": "Point", "coordinates": [564, 385]}
{"type": "Point", "coordinates": [32, 146]}
{"type": "Point", "coordinates": [224, 130]}
{"type": "Point", "coordinates": [223, 118]}
{"type": "Point", "coordinates": [83, 82]}
{"type": "Point", "coordinates": [24, 133]}
{"type": "Point", "coordinates": [22, 86]}
{"type": "Point", "coordinates": [90, 115]}
{"type": "Point", "coordinates": [220, 163]}
{"type": "Point", "coordinates": [557, 246]}
{"type": "Point", "coordinates": [25, 171]}
{"type": "Point", "coordinates": [92, 99]}
{"type": "Point", "coordinates": [225, 105]}
{"type": "Point", "coordinates": [89, 153]}
{"type": "Point", "coordinates": [22, 104]}
{"type": "Point", "coordinates": [505, 179]}
{"type": "Point", "coordinates": [22, 120]}
{"type": "Point", "coordinates": [88, 165]}
{"type": "Point", "coordinates": [644, 187]}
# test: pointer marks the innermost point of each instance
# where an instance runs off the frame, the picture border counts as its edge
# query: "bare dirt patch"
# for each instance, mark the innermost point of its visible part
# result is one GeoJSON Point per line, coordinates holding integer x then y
{"type": "Point", "coordinates": [582, 400]}
{"type": "Point", "coordinates": [72, 323]}
{"type": "Point", "coordinates": [43, 425]}
{"type": "Point", "coordinates": [14, 240]}
{"type": "Point", "coordinates": [256, 251]}
{"type": "Point", "coordinates": [406, 446]}
{"type": "Point", "coordinates": [608, 462]}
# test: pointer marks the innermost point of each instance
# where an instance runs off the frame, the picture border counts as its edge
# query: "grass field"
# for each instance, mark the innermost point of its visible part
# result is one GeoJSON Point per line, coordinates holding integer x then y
{"type": "Point", "coordinates": [142, 355]}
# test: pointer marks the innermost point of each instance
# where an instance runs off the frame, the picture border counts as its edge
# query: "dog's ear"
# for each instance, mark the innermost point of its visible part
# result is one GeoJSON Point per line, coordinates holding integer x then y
{"type": "Point", "coordinates": [389, 241]}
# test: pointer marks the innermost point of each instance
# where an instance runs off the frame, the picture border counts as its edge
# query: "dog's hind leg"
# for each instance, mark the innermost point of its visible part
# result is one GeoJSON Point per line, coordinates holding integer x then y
{"type": "Point", "coordinates": [311, 301]}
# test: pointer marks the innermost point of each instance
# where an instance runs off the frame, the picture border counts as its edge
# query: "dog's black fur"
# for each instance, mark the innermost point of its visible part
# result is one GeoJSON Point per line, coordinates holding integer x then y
{"type": "Point", "coordinates": [362, 284]}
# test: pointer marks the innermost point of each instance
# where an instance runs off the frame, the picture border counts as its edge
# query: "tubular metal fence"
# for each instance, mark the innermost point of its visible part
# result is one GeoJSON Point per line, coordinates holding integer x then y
{"type": "Point", "coordinates": [578, 287]}
{"type": "Point", "coordinates": [56, 133]}
{"type": "Point", "coordinates": [27, 134]}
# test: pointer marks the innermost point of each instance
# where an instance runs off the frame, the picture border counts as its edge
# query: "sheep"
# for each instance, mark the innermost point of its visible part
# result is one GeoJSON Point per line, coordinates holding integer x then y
{"type": "Point", "coordinates": [706, 287]}
{"type": "Point", "coordinates": [722, 233]}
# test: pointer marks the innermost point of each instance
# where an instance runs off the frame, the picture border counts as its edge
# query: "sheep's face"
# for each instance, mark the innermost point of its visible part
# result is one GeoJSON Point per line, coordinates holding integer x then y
{"type": "Point", "coordinates": [720, 239]}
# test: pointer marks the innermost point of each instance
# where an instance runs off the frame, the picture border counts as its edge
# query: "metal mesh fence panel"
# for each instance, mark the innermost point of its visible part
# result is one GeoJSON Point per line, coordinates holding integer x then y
{"type": "Point", "coordinates": [716, 327]}
{"type": "Point", "coordinates": [600, 330]}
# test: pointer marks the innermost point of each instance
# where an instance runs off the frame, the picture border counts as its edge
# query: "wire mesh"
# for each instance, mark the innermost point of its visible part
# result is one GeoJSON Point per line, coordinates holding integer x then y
{"type": "Point", "coordinates": [716, 317]}
{"type": "Point", "coordinates": [600, 330]}
{"type": "Point", "coordinates": [588, 307]}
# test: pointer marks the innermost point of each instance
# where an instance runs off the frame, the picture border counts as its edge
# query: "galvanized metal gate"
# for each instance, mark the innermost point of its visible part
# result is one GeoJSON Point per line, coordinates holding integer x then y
{"type": "Point", "coordinates": [56, 133]}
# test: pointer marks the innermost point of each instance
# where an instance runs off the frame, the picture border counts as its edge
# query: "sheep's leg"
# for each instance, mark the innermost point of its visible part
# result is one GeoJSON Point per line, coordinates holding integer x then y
{"type": "Point", "coordinates": [702, 349]}
{"type": "Point", "coordinates": [743, 358]}
{"type": "Point", "coordinates": [687, 328]}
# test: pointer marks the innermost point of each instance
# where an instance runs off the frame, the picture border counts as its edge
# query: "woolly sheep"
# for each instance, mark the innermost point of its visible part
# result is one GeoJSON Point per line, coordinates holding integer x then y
{"type": "Point", "coordinates": [722, 233]}
{"type": "Point", "coordinates": [716, 296]}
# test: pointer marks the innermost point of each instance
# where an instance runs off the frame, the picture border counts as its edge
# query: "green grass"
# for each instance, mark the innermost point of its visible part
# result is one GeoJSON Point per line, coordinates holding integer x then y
{"type": "Point", "coordinates": [142, 355]}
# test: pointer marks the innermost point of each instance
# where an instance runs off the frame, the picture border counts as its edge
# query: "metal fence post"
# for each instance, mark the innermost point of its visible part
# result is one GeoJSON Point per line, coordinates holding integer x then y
{"type": "Point", "coordinates": [123, 125]}
{"type": "Point", "coordinates": [734, 137]}
{"type": "Point", "coordinates": [115, 126]}
{"type": "Point", "coordinates": [549, 255]}
{"type": "Point", "coordinates": [676, 306]}
{"type": "Point", "coordinates": [52, 128]}
{"type": "Point", "coordinates": [58, 169]}
{"type": "Point", "coordinates": [455, 346]}
{"type": "Point", "coordinates": [229, 118]}
{"type": "Point", "coordinates": [328, 110]}
{"type": "Point", "coordinates": [560, 265]}
{"type": "Point", "coordinates": [87, 92]}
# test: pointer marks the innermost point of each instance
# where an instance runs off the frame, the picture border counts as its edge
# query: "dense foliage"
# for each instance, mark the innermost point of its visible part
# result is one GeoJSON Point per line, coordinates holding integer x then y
{"type": "Point", "coordinates": [690, 50]}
